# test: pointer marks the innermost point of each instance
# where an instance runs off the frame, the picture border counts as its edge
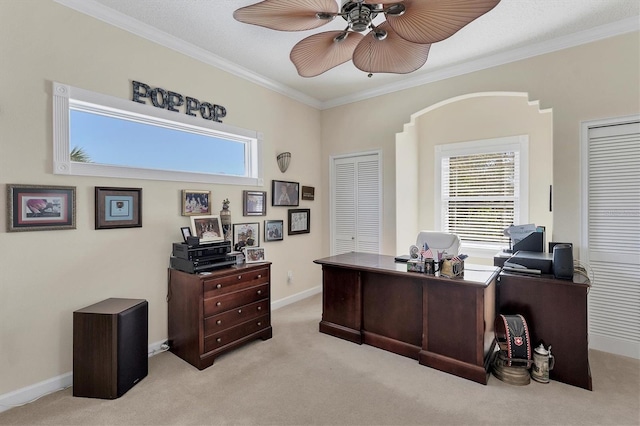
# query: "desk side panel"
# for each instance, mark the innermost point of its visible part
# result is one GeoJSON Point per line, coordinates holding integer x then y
{"type": "Point", "coordinates": [341, 303]}
{"type": "Point", "coordinates": [556, 314]}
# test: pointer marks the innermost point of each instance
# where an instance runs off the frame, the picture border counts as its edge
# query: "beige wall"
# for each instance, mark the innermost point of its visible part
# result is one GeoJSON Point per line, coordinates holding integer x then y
{"type": "Point", "coordinates": [582, 83]}
{"type": "Point", "coordinates": [473, 117]}
{"type": "Point", "coordinates": [45, 276]}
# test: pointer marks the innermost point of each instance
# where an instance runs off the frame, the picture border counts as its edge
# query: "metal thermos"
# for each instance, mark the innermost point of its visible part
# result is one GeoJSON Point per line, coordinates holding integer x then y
{"type": "Point", "coordinates": [543, 362]}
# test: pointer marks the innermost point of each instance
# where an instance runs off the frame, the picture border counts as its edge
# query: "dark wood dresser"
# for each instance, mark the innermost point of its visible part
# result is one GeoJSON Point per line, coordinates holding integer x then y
{"type": "Point", "coordinates": [212, 313]}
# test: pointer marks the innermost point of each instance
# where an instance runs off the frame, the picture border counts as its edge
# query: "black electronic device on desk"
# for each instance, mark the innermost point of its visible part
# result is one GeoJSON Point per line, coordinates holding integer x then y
{"type": "Point", "coordinates": [529, 262]}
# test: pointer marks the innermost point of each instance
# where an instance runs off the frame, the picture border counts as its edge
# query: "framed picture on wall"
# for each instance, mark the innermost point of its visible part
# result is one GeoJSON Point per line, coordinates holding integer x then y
{"type": "Point", "coordinates": [299, 221]}
{"type": "Point", "coordinates": [40, 207]}
{"type": "Point", "coordinates": [246, 235]}
{"type": "Point", "coordinates": [118, 207]}
{"type": "Point", "coordinates": [254, 203]}
{"type": "Point", "coordinates": [284, 193]}
{"type": "Point", "coordinates": [273, 230]}
{"type": "Point", "coordinates": [196, 203]}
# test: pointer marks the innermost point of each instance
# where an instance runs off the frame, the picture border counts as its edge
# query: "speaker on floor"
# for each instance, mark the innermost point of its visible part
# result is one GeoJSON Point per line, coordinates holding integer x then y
{"type": "Point", "coordinates": [563, 261]}
{"type": "Point", "coordinates": [110, 341]}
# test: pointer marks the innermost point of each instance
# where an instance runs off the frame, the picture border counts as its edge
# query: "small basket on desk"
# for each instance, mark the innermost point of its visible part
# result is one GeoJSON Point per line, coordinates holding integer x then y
{"type": "Point", "coordinates": [452, 267]}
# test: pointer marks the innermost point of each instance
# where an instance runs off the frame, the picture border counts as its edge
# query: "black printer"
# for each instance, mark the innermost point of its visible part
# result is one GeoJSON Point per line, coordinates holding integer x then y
{"type": "Point", "coordinates": [532, 261]}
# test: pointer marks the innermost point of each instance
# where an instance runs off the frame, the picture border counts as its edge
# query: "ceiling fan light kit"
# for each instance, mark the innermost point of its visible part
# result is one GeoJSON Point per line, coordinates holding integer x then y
{"type": "Point", "coordinates": [399, 45]}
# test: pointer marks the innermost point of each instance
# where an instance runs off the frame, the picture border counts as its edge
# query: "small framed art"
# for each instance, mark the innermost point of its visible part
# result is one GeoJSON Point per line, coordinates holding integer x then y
{"type": "Point", "coordinates": [40, 207]}
{"type": "Point", "coordinates": [118, 207]}
{"type": "Point", "coordinates": [273, 230]}
{"type": "Point", "coordinates": [284, 193]}
{"type": "Point", "coordinates": [254, 203]}
{"type": "Point", "coordinates": [207, 228]}
{"type": "Point", "coordinates": [186, 232]}
{"type": "Point", "coordinates": [308, 193]}
{"type": "Point", "coordinates": [254, 254]}
{"type": "Point", "coordinates": [246, 235]}
{"type": "Point", "coordinates": [299, 221]}
{"type": "Point", "coordinates": [196, 202]}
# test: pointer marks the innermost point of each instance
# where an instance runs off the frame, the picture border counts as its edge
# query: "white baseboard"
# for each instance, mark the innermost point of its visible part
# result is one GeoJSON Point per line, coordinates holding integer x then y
{"type": "Point", "coordinates": [614, 346]}
{"type": "Point", "coordinates": [31, 393]}
{"type": "Point", "coordinates": [295, 298]}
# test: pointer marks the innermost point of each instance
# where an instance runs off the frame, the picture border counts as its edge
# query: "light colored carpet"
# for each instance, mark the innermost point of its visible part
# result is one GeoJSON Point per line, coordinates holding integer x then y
{"type": "Point", "coordinates": [303, 377]}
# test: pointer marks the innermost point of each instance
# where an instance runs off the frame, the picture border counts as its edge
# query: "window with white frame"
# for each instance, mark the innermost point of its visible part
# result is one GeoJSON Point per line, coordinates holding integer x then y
{"type": "Point", "coordinates": [482, 189]}
{"type": "Point", "coordinates": [99, 135]}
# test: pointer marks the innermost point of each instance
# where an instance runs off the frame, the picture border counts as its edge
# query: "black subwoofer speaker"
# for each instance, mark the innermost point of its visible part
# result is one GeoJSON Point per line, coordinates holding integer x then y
{"type": "Point", "coordinates": [563, 261]}
{"type": "Point", "coordinates": [110, 341]}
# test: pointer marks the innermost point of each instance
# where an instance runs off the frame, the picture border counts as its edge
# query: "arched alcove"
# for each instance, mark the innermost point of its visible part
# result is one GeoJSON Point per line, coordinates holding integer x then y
{"type": "Point", "coordinates": [469, 118]}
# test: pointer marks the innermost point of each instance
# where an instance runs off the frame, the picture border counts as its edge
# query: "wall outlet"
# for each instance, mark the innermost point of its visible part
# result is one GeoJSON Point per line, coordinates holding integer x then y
{"type": "Point", "coordinates": [289, 276]}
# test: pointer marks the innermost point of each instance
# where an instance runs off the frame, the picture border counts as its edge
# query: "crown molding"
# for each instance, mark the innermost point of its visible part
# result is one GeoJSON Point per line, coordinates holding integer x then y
{"type": "Point", "coordinates": [117, 19]}
{"type": "Point", "coordinates": [124, 22]}
{"type": "Point", "coordinates": [624, 26]}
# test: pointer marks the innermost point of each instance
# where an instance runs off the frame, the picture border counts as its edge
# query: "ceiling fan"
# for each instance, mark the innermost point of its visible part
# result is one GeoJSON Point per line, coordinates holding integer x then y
{"type": "Point", "coordinates": [400, 44]}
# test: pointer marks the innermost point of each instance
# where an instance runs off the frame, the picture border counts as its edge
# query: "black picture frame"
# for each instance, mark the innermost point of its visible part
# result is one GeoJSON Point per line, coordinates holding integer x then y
{"type": "Point", "coordinates": [118, 207]}
{"type": "Point", "coordinates": [40, 207]}
{"type": "Point", "coordinates": [254, 203]}
{"type": "Point", "coordinates": [284, 193]}
{"type": "Point", "coordinates": [273, 230]}
{"type": "Point", "coordinates": [186, 232]}
{"type": "Point", "coordinates": [299, 221]}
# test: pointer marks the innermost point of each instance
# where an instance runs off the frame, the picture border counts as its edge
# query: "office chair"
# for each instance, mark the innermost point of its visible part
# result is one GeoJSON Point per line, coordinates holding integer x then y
{"type": "Point", "coordinates": [440, 241]}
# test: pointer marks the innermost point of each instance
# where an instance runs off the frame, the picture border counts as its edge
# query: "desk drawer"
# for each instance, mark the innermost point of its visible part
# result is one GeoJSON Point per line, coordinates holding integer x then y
{"type": "Point", "coordinates": [218, 323]}
{"type": "Point", "coordinates": [218, 286]}
{"type": "Point", "coordinates": [226, 337]}
{"type": "Point", "coordinates": [217, 305]}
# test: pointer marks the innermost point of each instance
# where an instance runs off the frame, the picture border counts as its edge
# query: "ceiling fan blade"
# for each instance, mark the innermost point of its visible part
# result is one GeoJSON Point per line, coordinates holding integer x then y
{"type": "Point", "coordinates": [319, 53]}
{"type": "Point", "coordinates": [431, 21]}
{"type": "Point", "coordinates": [391, 55]}
{"type": "Point", "coordinates": [382, 1]}
{"type": "Point", "coordinates": [287, 15]}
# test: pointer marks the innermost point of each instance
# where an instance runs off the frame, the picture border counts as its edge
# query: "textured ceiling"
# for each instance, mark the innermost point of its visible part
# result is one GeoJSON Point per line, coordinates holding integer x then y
{"type": "Point", "coordinates": [512, 30]}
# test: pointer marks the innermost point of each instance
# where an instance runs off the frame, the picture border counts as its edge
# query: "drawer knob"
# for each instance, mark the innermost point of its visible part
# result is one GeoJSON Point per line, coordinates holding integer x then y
{"type": "Point", "coordinates": [218, 303]}
{"type": "Point", "coordinates": [259, 275]}
{"type": "Point", "coordinates": [219, 339]}
{"type": "Point", "coordinates": [259, 291]}
{"type": "Point", "coordinates": [219, 322]}
{"type": "Point", "coordinates": [239, 277]}
{"type": "Point", "coordinates": [259, 308]}
{"type": "Point", "coordinates": [219, 286]}
{"type": "Point", "coordinates": [259, 324]}
{"type": "Point", "coordinates": [239, 311]}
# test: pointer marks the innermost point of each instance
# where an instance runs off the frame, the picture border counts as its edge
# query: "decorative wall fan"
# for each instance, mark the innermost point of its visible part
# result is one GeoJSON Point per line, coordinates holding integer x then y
{"type": "Point", "coordinates": [400, 44]}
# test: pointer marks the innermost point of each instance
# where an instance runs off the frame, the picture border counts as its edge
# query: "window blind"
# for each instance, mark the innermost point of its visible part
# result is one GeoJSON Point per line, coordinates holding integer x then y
{"type": "Point", "coordinates": [480, 195]}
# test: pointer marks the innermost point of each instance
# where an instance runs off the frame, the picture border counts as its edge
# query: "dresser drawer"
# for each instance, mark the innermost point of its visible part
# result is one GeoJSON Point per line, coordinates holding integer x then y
{"type": "Point", "coordinates": [223, 338]}
{"type": "Point", "coordinates": [218, 323]}
{"type": "Point", "coordinates": [217, 305]}
{"type": "Point", "coordinates": [217, 286]}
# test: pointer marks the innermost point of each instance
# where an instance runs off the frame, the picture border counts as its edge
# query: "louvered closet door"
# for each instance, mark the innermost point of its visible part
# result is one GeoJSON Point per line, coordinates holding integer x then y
{"type": "Point", "coordinates": [356, 204]}
{"type": "Point", "coordinates": [614, 237]}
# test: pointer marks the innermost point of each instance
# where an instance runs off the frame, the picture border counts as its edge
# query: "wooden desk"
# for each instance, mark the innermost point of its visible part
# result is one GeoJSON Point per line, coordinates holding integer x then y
{"type": "Point", "coordinates": [443, 323]}
{"type": "Point", "coordinates": [556, 314]}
